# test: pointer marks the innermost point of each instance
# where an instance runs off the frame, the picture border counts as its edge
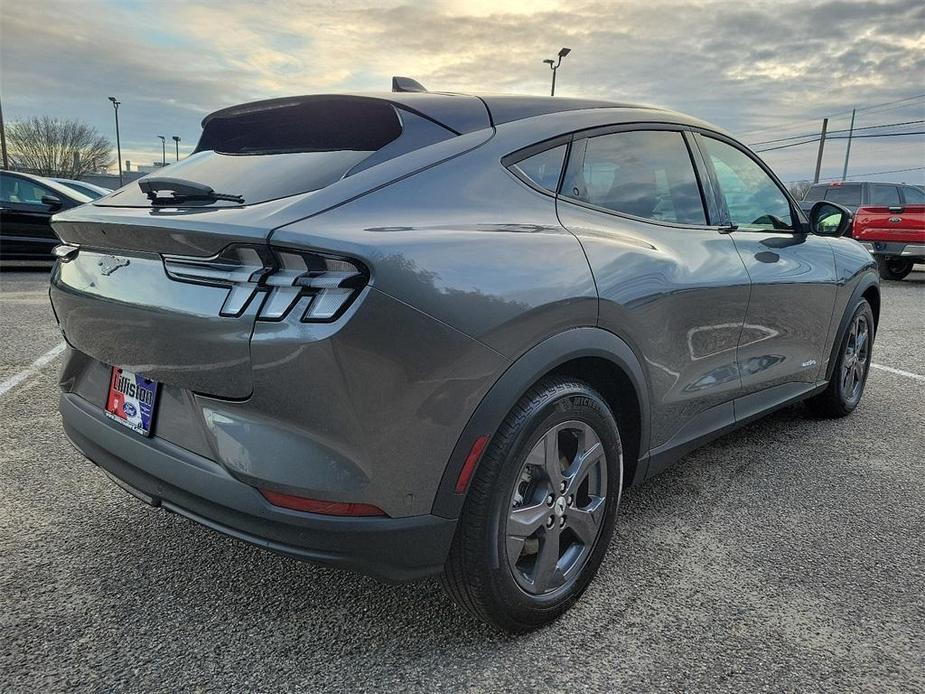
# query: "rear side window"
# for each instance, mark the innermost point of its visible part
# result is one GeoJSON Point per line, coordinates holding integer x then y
{"type": "Point", "coordinates": [544, 168]}
{"type": "Point", "coordinates": [883, 195]}
{"type": "Point", "coordinates": [644, 173]}
{"type": "Point", "coordinates": [845, 194]}
{"type": "Point", "coordinates": [914, 196]}
{"type": "Point", "coordinates": [289, 147]}
{"type": "Point", "coordinates": [752, 197]}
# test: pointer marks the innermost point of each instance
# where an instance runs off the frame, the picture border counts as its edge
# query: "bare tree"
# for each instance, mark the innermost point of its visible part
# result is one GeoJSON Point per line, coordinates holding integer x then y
{"type": "Point", "coordinates": [51, 147]}
{"type": "Point", "coordinates": [798, 189]}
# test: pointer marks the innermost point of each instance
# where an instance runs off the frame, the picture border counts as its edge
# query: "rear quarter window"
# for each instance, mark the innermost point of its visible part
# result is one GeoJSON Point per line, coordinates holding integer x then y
{"type": "Point", "coordinates": [543, 169]}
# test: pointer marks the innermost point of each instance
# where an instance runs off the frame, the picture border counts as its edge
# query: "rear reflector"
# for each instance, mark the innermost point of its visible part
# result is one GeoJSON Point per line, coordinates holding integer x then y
{"type": "Point", "coordinates": [471, 461]}
{"type": "Point", "coordinates": [328, 508]}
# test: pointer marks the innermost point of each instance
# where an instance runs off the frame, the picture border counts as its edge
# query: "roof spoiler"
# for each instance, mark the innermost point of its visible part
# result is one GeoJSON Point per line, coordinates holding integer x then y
{"type": "Point", "coordinates": [406, 84]}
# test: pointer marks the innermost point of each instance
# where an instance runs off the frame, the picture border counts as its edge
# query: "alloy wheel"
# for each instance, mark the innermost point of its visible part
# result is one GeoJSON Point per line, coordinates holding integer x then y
{"type": "Point", "coordinates": [854, 361]}
{"type": "Point", "coordinates": [557, 508]}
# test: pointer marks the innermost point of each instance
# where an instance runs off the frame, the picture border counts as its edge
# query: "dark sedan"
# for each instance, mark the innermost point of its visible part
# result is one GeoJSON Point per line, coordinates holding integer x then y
{"type": "Point", "coordinates": [27, 203]}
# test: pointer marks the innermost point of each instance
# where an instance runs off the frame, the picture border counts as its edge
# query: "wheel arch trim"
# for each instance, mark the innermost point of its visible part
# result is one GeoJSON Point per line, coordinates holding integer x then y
{"type": "Point", "coordinates": [519, 377]}
{"type": "Point", "coordinates": [867, 282]}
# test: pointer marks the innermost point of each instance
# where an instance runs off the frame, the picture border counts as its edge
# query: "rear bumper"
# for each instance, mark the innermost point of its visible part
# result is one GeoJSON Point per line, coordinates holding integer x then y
{"type": "Point", "coordinates": [895, 248]}
{"type": "Point", "coordinates": [391, 549]}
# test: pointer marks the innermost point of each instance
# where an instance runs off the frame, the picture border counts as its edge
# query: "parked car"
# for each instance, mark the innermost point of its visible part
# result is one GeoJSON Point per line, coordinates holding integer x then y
{"type": "Point", "coordinates": [893, 230]}
{"type": "Point", "coordinates": [439, 334]}
{"type": "Point", "coordinates": [855, 194]}
{"type": "Point", "coordinates": [89, 189]}
{"type": "Point", "coordinates": [27, 203]}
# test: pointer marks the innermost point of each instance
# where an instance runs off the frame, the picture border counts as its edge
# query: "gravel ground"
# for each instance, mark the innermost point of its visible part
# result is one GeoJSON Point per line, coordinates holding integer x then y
{"type": "Point", "coordinates": [788, 556]}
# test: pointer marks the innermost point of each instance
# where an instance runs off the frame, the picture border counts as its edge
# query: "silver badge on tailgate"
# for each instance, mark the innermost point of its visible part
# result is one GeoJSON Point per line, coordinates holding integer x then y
{"type": "Point", "coordinates": [111, 263]}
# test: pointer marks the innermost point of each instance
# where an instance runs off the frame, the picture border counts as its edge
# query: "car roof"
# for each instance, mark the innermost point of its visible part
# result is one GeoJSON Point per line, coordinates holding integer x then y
{"type": "Point", "coordinates": [459, 112]}
{"type": "Point", "coordinates": [91, 186]}
{"type": "Point", "coordinates": [53, 184]}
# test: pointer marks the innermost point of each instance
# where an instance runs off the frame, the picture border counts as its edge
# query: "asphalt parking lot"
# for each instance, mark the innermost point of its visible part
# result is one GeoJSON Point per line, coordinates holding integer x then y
{"type": "Point", "coordinates": [788, 556]}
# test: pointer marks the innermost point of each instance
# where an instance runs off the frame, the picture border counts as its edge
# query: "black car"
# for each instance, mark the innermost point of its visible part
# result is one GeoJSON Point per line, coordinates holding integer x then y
{"type": "Point", "coordinates": [27, 203]}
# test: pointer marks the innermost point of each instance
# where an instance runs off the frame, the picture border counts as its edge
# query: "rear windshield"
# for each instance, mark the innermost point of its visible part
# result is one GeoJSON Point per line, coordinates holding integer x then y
{"type": "Point", "coordinates": [289, 147]}
{"type": "Point", "coordinates": [815, 193]}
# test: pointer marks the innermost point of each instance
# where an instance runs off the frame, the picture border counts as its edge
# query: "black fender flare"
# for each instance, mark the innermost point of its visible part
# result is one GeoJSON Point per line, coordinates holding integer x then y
{"type": "Point", "coordinates": [517, 379]}
{"type": "Point", "coordinates": [867, 281]}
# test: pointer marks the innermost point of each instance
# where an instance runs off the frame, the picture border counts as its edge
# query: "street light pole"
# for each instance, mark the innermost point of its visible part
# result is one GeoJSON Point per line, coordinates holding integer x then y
{"type": "Point", "coordinates": [115, 105]}
{"type": "Point", "coordinates": [163, 150]}
{"type": "Point", "coordinates": [176, 138]}
{"type": "Point", "coordinates": [554, 66]}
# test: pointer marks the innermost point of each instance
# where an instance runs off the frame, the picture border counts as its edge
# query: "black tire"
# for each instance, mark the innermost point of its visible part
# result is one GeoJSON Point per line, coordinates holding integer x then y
{"type": "Point", "coordinates": [894, 268]}
{"type": "Point", "coordinates": [844, 391]}
{"type": "Point", "coordinates": [478, 574]}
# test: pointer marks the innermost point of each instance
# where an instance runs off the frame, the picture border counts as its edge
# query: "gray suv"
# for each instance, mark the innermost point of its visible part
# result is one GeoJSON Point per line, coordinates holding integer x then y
{"type": "Point", "coordinates": [417, 334]}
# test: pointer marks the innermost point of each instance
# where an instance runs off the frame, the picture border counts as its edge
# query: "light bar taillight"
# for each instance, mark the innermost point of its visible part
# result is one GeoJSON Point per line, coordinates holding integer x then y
{"type": "Point", "coordinates": [328, 508]}
{"type": "Point", "coordinates": [284, 276]}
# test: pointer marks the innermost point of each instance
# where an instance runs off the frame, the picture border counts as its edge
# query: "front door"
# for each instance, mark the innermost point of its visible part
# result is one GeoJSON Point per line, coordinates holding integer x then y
{"type": "Point", "coordinates": [792, 273]}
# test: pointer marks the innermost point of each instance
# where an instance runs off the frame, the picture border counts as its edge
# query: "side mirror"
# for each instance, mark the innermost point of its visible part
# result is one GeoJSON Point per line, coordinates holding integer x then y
{"type": "Point", "coordinates": [53, 202]}
{"type": "Point", "coordinates": [829, 219]}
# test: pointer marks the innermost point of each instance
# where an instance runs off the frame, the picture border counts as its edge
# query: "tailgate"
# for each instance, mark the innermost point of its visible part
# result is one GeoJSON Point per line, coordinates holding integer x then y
{"type": "Point", "coordinates": [124, 310]}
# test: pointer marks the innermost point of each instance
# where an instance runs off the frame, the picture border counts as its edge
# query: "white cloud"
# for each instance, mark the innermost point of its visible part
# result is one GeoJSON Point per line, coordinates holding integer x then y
{"type": "Point", "coordinates": [742, 66]}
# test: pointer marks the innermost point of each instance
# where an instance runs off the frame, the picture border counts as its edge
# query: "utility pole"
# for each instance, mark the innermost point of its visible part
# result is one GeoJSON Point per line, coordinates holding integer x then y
{"type": "Point", "coordinates": [554, 66]}
{"type": "Point", "coordinates": [6, 163]}
{"type": "Point", "coordinates": [176, 138]}
{"type": "Point", "coordinates": [115, 105]}
{"type": "Point", "coordinates": [844, 174]}
{"type": "Point", "coordinates": [163, 150]}
{"type": "Point", "coordinates": [825, 127]}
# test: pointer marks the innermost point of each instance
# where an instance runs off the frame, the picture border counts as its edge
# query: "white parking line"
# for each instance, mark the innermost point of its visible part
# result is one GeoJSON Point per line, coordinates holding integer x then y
{"type": "Point", "coordinates": [33, 369]}
{"type": "Point", "coordinates": [898, 372]}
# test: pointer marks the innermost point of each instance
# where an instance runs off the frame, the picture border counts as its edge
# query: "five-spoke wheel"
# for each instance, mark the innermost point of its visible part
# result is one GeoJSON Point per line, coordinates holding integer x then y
{"type": "Point", "coordinates": [557, 507]}
{"type": "Point", "coordinates": [540, 510]}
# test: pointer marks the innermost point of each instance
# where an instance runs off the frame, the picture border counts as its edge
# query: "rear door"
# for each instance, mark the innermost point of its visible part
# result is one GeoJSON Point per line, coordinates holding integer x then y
{"type": "Point", "coordinates": [669, 283]}
{"type": "Point", "coordinates": [792, 272]}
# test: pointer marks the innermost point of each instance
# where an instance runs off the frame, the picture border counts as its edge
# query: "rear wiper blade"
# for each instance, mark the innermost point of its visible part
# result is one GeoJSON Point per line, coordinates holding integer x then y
{"type": "Point", "coordinates": [182, 191]}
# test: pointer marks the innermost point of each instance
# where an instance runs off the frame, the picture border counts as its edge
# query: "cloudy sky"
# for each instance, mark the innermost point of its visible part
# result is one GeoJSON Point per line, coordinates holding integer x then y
{"type": "Point", "coordinates": [764, 70]}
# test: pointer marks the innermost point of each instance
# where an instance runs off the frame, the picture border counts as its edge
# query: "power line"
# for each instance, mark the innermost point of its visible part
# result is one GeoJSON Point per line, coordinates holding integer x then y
{"type": "Point", "coordinates": [872, 107]}
{"type": "Point", "coordinates": [843, 130]}
{"type": "Point", "coordinates": [839, 137]}
{"type": "Point", "coordinates": [869, 173]}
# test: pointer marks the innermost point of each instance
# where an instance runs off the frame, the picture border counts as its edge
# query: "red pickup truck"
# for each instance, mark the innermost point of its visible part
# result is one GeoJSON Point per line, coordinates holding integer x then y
{"type": "Point", "coordinates": [889, 219]}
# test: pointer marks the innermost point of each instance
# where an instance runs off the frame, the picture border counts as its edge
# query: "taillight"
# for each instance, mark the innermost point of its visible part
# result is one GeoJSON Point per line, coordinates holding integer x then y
{"type": "Point", "coordinates": [284, 276]}
{"type": "Point", "coordinates": [332, 283]}
{"type": "Point", "coordinates": [328, 508]}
